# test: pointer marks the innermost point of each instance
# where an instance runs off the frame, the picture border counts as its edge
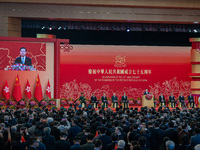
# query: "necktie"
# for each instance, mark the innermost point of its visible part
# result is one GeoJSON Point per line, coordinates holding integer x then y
{"type": "Point", "coordinates": [23, 60]}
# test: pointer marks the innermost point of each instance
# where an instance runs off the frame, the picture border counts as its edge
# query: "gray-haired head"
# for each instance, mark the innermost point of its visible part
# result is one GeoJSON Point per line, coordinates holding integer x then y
{"type": "Point", "coordinates": [170, 145]}
{"type": "Point", "coordinates": [47, 130]}
{"type": "Point", "coordinates": [13, 129]}
{"type": "Point", "coordinates": [121, 144]}
{"type": "Point", "coordinates": [197, 147]}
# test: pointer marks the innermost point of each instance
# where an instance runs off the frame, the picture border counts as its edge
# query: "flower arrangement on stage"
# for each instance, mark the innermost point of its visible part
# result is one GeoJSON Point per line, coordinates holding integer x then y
{"type": "Point", "coordinates": [109, 102]}
{"type": "Point", "coordinates": [156, 102]}
{"type": "Point", "coordinates": [148, 96]}
{"type": "Point", "coordinates": [12, 103]}
{"type": "Point", "coordinates": [77, 102]}
{"type": "Point", "coordinates": [43, 103]}
{"type": "Point", "coordinates": [2, 103]}
{"type": "Point", "coordinates": [63, 102]}
{"type": "Point", "coordinates": [70, 101]}
{"type": "Point", "coordinates": [177, 101]}
{"type": "Point", "coordinates": [33, 102]}
{"type": "Point", "coordinates": [139, 102]}
{"type": "Point", "coordinates": [52, 102]}
{"type": "Point", "coordinates": [22, 103]}
{"type": "Point", "coordinates": [131, 101]}
{"type": "Point", "coordinates": [186, 101]}
{"type": "Point", "coordinates": [20, 67]}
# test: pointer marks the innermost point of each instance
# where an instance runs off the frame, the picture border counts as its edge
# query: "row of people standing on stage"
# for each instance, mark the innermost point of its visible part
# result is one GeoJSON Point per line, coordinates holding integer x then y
{"type": "Point", "coordinates": [172, 100]}
{"type": "Point", "coordinates": [104, 100]}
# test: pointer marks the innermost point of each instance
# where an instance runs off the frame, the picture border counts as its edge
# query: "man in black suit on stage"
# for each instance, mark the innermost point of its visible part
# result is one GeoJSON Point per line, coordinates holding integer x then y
{"type": "Point", "coordinates": [104, 100]}
{"type": "Point", "coordinates": [182, 100]}
{"type": "Point", "coordinates": [146, 92]}
{"type": "Point", "coordinates": [172, 100]}
{"type": "Point", "coordinates": [94, 100]}
{"type": "Point", "coordinates": [162, 100]}
{"type": "Point", "coordinates": [82, 100]}
{"type": "Point", "coordinates": [191, 100]}
{"type": "Point", "coordinates": [114, 101]}
{"type": "Point", "coordinates": [23, 59]}
{"type": "Point", "coordinates": [125, 100]}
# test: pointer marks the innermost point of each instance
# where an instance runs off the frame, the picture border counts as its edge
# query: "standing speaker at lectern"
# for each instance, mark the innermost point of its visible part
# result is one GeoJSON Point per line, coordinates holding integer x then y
{"type": "Point", "coordinates": [23, 59]}
{"type": "Point", "coordinates": [146, 92]}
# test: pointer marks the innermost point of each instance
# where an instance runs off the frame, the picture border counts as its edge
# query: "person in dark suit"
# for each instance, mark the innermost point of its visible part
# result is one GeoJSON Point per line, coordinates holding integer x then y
{"type": "Point", "coordinates": [104, 138]}
{"type": "Point", "coordinates": [48, 139]}
{"type": "Point", "coordinates": [191, 100]}
{"type": "Point", "coordinates": [172, 100]}
{"type": "Point", "coordinates": [82, 100]}
{"type": "Point", "coordinates": [120, 145]}
{"type": "Point", "coordinates": [98, 145]}
{"type": "Point", "coordinates": [182, 100]}
{"type": "Point", "coordinates": [76, 145]}
{"type": "Point", "coordinates": [124, 101]}
{"type": "Point", "coordinates": [113, 145]}
{"type": "Point", "coordinates": [114, 101]}
{"type": "Point", "coordinates": [62, 144]}
{"type": "Point", "coordinates": [172, 134]}
{"type": "Point", "coordinates": [23, 59]}
{"type": "Point", "coordinates": [89, 145]}
{"type": "Point", "coordinates": [194, 140]}
{"type": "Point", "coordinates": [94, 100]}
{"type": "Point", "coordinates": [34, 144]}
{"type": "Point", "coordinates": [162, 100]}
{"type": "Point", "coordinates": [74, 130]}
{"type": "Point", "coordinates": [55, 131]}
{"type": "Point", "coordinates": [104, 100]}
{"type": "Point", "coordinates": [146, 92]}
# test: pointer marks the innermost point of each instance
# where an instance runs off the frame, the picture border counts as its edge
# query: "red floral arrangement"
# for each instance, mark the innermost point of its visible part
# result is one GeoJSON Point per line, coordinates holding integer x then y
{"type": "Point", "coordinates": [148, 96]}
{"type": "Point", "coordinates": [43, 103]}
{"type": "Point", "coordinates": [2, 103]}
{"type": "Point", "coordinates": [52, 102]}
{"type": "Point", "coordinates": [131, 102]}
{"type": "Point", "coordinates": [12, 103]}
{"type": "Point", "coordinates": [22, 103]}
{"type": "Point", "coordinates": [63, 102]}
{"type": "Point", "coordinates": [139, 102]}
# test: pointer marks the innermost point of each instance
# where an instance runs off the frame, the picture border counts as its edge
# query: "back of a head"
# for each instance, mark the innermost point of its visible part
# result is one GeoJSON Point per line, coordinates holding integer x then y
{"type": "Point", "coordinates": [63, 135]}
{"type": "Point", "coordinates": [121, 144]}
{"type": "Point", "coordinates": [170, 145]}
{"type": "Point", "coordinates": [90, 136]}
{"type": "Point", "coordinates": [142, 141]}
{"type": "Point", "coordinates": [47, 130]}
{"type": "Point", "coordinates": [102, 130]}
{"type": "Point", "coordinates": [98, 143]}
{"type": "Point", "coordinates": [197, 147]}
{"type": "Point", "coordinates": [115, 137]}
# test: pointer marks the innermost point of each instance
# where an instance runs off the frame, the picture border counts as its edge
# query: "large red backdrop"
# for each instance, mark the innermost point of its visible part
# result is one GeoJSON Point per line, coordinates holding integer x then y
{"type": "Point", "coordinates": [130, 69]}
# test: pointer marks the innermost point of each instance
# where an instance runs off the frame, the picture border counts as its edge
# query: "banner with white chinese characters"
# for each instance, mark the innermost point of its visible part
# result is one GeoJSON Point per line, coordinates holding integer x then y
{"type": "Point", "coordinates": [116, 69]}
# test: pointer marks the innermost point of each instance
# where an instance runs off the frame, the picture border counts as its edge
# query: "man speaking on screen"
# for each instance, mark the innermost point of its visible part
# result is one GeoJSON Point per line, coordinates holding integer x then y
{"type": "Point", "coordinates": [23, 59]}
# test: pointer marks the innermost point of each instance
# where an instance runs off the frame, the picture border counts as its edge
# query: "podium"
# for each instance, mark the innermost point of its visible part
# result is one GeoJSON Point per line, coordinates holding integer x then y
{"type": "Point", "coordinates": [146, 102]}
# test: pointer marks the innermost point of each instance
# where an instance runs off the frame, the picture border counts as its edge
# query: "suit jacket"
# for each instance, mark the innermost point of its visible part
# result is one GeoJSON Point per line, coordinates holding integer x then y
{"type": "Point", "coordinates": [93, 99]}
{"type": "Point", "coordinates": [62, 145]}
{"type": "Point", "coordinates": [56, 133]}
{"type": "Point", "coordinates": [124, 99]}
{"type": "Point", "coordinates": [195, 140]}
{"type": "Point", "coordinates": [48, 141]}
{"type": "Point", "coordinates": [28, 61]}
{"type": "Point", "coordinates": [145, 93]}
{"type": "Point", "coordinates": [111, 146]}
{"type": "Point", "coordinates": [114, 99]}
{"type": "Point", "coordinates": [82, 99]}
{"type": "Point", "coordinates": [72, 132]}
{"type": "Point", "coordinates": [181, 98]}
{"type": "Point", "coordinates": [76, 147]}
{"type": "Point", "coordinates": [161, 98]}
{"type": "Point", "coordinates": [105, 140]}
{"type": "Point", "coordinates": [104, 99]}
{"type": "Point", "coordinates": [172, 135]}
{"type": "Point", "coordinates": [88, 146]}
{"type": "Point", "coordinates": [191, 99]}
{"type": "Point", "coordinates": [171, 98]}
{"type": "Point", "coordinates": [156, 138]}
